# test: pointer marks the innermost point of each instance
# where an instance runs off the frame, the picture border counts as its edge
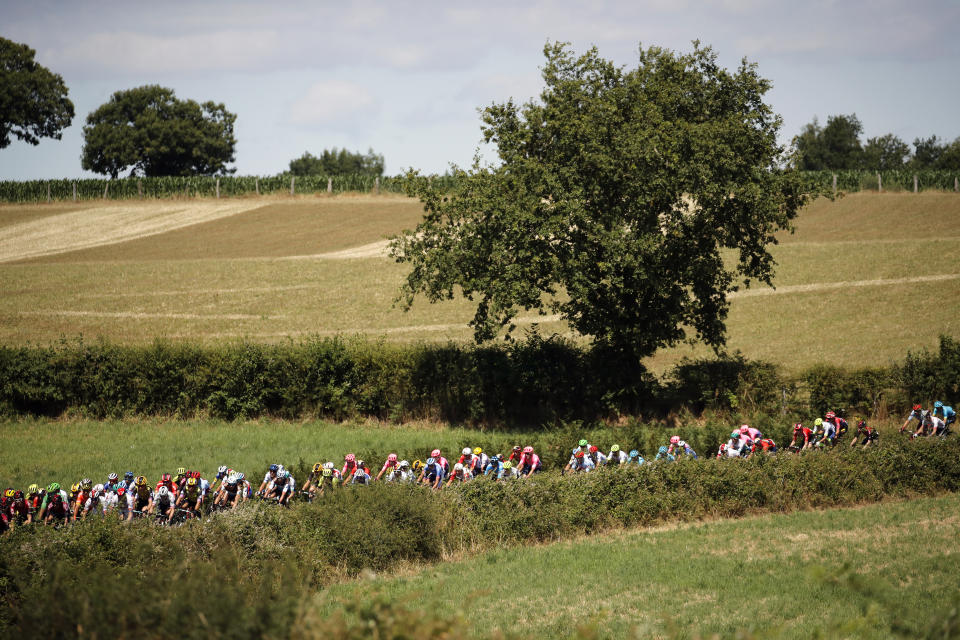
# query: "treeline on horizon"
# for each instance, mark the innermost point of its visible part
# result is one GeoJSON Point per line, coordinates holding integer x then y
{"type": "Point", "coordinates": [837, 146]}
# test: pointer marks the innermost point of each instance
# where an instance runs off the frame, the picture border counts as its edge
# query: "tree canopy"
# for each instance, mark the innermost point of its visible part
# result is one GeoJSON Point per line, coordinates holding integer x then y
{"type": "Point", "coordinates": [152, 133]}
{"type": "Point", "coordinates": [336, 162]}
{"type": "Point", "coordinates": [834, 146]}
{"type": "Point", "coordinates": [613, 204]}
{"type": "Point", "coordinates": [33, 102]}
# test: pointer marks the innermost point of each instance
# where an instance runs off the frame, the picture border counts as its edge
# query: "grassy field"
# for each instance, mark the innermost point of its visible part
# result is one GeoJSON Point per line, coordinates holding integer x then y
{"type": "Point", "coordinates": [853, 286]}
{"type": "Point", "coordinates": [848, 573]}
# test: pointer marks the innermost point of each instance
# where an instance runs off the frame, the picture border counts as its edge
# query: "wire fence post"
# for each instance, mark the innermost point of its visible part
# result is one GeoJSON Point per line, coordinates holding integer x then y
{"type": "Point", "coordinates": [256, 184]}
{"type": "Point", "coordinates": [879, 183]}
{"type": "Point", "coordinates": [139, 188]}
{"type": "Point", "coordinates": [292, 179]}
{"type": "Point", "coordinates": [956, 184]}
{"type": "Point", "coordinates": [914, 183]}
{"type": "Point", "coordinates": [329, 185]}
{"type": "Point", "coordinates": [106, 188]}
{"type": "Point", "coordinates": [48, 192]}
{"type": "Point", "coordinates": [218, 188]}
{"type": "Point", "coordinates": [376, 185]}
{"type": "Point", "coordinates": [74, 191]}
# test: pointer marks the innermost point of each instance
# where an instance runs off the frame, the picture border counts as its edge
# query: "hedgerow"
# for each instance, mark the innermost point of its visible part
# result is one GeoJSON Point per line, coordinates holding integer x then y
{"type": "Point", "coordinates": [535, 381]}
{"type": "Point", "coordinates": [249, 572]}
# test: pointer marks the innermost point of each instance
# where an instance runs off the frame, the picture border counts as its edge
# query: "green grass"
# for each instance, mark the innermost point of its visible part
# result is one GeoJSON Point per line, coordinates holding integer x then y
{"type": "Point", "coordinates": [841, 573]}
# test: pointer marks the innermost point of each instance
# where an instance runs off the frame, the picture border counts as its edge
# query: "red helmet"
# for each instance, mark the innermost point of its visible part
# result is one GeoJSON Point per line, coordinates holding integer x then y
{"type": "Point", "coordinates": [578, 454]}
{"type": "Point", "coordinates": [121, 490]}
{"type": "Point", "coordinates": [830, 415]}
{"type": "Point", "coordinates": [392, 457]}
{"type": "Point", "coordinates": [593, 449]}
{"type": "Point", "coordinates": [517, 448]}
{"type": "Point", "coordinates": [530, 449]}
{"type": "Point", "coordinates": [435, 453]}
{"type": "Point", "coordinates": [797, 426]}
{"type": "Point", "coordinates": [350, 457]}
{"type": "Point", "coordinates": [165, 478]}
{"type": "Point", "coordinates": [916, 407]}
{"type": "Point", "coordinates": [196, 474]}
{"type": "Point", "coordinates": [674, 439]}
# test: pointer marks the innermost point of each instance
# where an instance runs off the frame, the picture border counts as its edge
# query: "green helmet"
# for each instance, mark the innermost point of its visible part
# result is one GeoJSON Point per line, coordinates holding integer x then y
{"type": "Point", "coordinates": [583, 442]}
{"type": "Point", "coordinates": [734, 434]}
{"type": "Point", "coordinates": [818, 422]}
{"type": "Point", "coordinates": [508, 465]}
{"type": "Point", "coordinates": [53, 487]}
{"type": "Point", "coordinates": [615, 447]}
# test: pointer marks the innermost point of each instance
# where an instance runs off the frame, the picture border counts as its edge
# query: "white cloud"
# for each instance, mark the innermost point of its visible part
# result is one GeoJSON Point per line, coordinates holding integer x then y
{"type": "Point", "coordinates": [326, 103]}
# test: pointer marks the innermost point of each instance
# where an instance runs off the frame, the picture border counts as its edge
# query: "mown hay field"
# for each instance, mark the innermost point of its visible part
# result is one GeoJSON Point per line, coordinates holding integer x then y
{"type": "Point", "coordinates": [863, 279]}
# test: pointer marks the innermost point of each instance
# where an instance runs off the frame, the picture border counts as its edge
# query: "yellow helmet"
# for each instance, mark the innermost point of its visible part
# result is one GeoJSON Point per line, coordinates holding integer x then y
{"type": "Point", "coordinates": [417, 465]}
{"type": "Point", "coordinates": [141, 481]}
{"type": "Point", "coordinates": [75, 488]}
{"type": "Point", "coordinates": [181, 471]}
{"type": "Point", "coordinates": [192, 482]}
{"type": "Point", "coordinates": [317, 467]}
{"type": "Point", "coordinates": [477, 451]}
{"type": "Point", "coordinates": [9, 493]}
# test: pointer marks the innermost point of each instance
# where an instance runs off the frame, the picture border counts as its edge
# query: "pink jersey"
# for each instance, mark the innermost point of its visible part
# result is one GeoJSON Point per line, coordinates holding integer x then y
{"type": "Point", "coordinates": [529, 459]}
{"type": "Point", "coordinates": [388, 465]}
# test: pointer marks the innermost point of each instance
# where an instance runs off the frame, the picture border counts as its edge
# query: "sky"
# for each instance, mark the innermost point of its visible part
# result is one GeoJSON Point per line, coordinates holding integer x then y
{"type": "Point", "coordinates": [407, 79]}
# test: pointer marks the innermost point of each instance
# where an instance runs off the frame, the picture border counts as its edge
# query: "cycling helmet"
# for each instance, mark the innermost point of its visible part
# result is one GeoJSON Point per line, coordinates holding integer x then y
{"type": "Point", "coordinates": [634, 453]}
{"type": "Point", "coordinates": [222, 470]}
{"type": "Point", "coordinates": [327, 473]}
{"type": "Point", "coordinates": [508, 465]}
{"type": "Point", "coordinates": [165, 478]}
{"type": "Point", "coordinates": [682, 444]}
{"type": "Point", "coordinates": [528, 449]}
{"type": "Point", "coordinates": [141, 481]}
{"type": "Point", "coordinates": [361, 464]}
{"type": "Point", "coordinates": [583, 442]}
{"type": "Point", "coordinates": [392, 457]}
{"type": "Point", "coordinates": [86, 484]}
{"type": "Point", "coordinates": [18, 495]}
{"type": "Point", "coordinates": [467, 451]}
{"type": "Point", "coordinates": [431, 462]}
{"type": "Point", "coordinates": [273, 468]}
{"type": "Point", "coordinates": [191, 482]}
{"type": "Point", "coordinates": [916, 407]}
{"type": "Point", "coordinates": [734, 434]}
{"type": "Point", "coordinates": [96, 492]}
{"type": "Point", "coordinates": [674, 439]}
{"type": "Point", "coordinates": [593, 449]}
{"type": "Point", "coordinates": [128, 475]}
{"type": "Point", "coordinates": [744, 428]}
{"type": "Point", "coordinates": [75, 488]}
{"type": "Point", "coordinates": [163, 493]}
{"type": "Point", "coordinates": [240, 476]}
{"type": "Point", "coordinates": [615, 448]}
{"type": "Point", "coordinates": [518, 447]}
{"type": "Point", "coordinates": [477, 451]}
{"type": "Point", "coordinates": [9, 492]}
{"type": "Point", "coordinates": [232, 479]}
{"type": "Point", "coordinates": [328, 465]}
{"type": "Point", "coordinates": [457, 467]}
{"type": "Point", "coordinates": [349, 457]}
{"type": "Point", "coordinates": [403, 464]}
{"type": "Point", "coordinates": [496, 457]}
{"type": "Point", "coordinates": [113, 477]}
{"type": "Point", "coordinates": [663, 449]}
{"type": "Point", "coordinates": [317, 467]}
{"type": "Point", "coordinates": [578, 454]}
{"type": "Point", "coordinates": [830, 415]}
{"type": "Point", "coordinates": [280, 469]}
{"type": "Point", "coordinates": [32, 490]}
{"type": "Point", "coordinates": [797, 426]}
{"type": "Point", "coordinates": [818, 422]}
{"type": "Point", "coordinates": [181, 471]}
{"type": "Point", "coordinates": [53, 487]}
{"type": "Point", "coordinates": [937, 405]}
{"type": "Point", "coordinates": [285, 475]}
{"type": "Point", "coordinates": [435, 453]}
{"type": "Point", "coordinates": [417, 465]}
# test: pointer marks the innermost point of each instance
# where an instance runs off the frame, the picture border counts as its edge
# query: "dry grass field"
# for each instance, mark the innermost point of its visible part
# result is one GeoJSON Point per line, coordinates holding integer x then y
{"type": "Point", "coordinates": [861, 281]}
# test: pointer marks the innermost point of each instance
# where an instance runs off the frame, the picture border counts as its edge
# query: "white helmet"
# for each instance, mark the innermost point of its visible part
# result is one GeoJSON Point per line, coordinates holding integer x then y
{"type": "Point", "coordinates": [163, 493]}
{"type": "Point", "coordinates": [404, 464]}
{"type": "Point", "coordinates": [682, 443]}
{"type": "Point", "coordinates": [467, 451]}
{"type": "Point", "coordinates": [222, 469]}
{"type": "Point", "coordinates": [328, 465]}
{"type": "Point", "coordinates": [457, 467]}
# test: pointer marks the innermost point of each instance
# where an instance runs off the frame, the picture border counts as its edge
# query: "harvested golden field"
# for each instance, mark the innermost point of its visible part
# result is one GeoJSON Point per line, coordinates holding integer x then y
{"type": "Point", "coordinates": [855, 285]}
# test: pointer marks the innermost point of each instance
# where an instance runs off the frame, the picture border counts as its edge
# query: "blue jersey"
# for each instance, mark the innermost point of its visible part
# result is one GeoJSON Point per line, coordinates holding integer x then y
{"type": "Point", "coordinates": [945, 412]}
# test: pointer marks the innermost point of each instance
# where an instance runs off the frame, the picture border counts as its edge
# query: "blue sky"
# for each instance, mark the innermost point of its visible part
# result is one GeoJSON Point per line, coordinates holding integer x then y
{"type": "Point", "coordinates": [407, 78]}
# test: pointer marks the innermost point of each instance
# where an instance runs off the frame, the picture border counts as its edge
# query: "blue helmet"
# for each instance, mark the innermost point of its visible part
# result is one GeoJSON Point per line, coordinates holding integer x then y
{"type": "Point", "coordinates": [128, 474]}
{"type": "Point", "coordinates": [663, 449]}
{"type": "Point", "coordinates": [634, 453]}
{"type": "Point", "coordinates": [274, 468]}
{"type": "Point", "coordinates": [938, 404]}
{"type": "Point", "coordinates": [431, 462]}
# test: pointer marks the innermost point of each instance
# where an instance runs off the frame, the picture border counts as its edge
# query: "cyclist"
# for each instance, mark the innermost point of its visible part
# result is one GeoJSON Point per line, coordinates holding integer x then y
{"type": "Point", "coordinates": [191, 498]}
{"type": "Point", "coordinates": [635, 457]}
{"type": "Point", "coordinates": [459, 474]}
{"type": "Point", "coordinates": [166, 480]}
{"type": "Point", "coordinates": [663, 453]}
{"type": "Point", "coordinates": [94, 503]}
{"type": "Point", "coordinates": [433, 473]}
{"type": "Point", "coordinates": [230, 492]}
{"type": "Point", "coordinates": [828, 435]}
{"type": "Point", "coordinates": [56, 505]}
{"type": "Point", "coordinates": [480, 460]}
{"type": "Point", "coordinates": [800, 431]}
{"type": "Point", "coordinates": [751, 433]}
{"type": "Point", "coordinates": [870, 435]}
{"type": "Point", "coordinates": [142, 497]}
{"type": "Point", "coordinates": [839, 424]}
{"type": "Point", "coordinates": [616, 456]}
{"type": "Point", "coordinates": [180, 479]}
{"type": "Point", "coordinates": [128, 480]}
{"type": "Point", "coordinates": [282, 487]}
{"type": "Point", "coordinates": [466, 456]}
{"type": "Point", "coordinates": [494, 466]}
{"type": "Point", "coordinates": [763, 445]}
{"type": "Point", "coordinates": [444, 464]}
{"type": "Point", "coordinates": [349, 466]}
{"type": "Point", "coordinates": [417, 468]}
{"type": "Point", "coordinates": [508, 472]}
{"type": "Point", "coordinates": [18, 512]}
{"type": "Point", "coordinates": [35, 496]}
{"type": "Point", "coordinates": [361, 475]}
{"type": "Point", "coordinates": [162, 505]}
{"type": "Point", "coordinates": [517, 451]}
{"type": "Point", "coordinates": [946, 413]}
{"type": "Point", "coordinates": [113, 481]}
{"type": "Point", "coordinates": [391, 464]}
{"type": "Point", "coordinates": [80, 498]}
{"type": "Point", "coordinates": [268, 478]}
{"type": "Point", "coordinates": [400, 473]}
{"type": "Point", "coordinates": [125, 502]}
{"type": "Point", "coordinates": [683, 449]}
{"type": "Point", "coordinates": [597, 456]}
{"type": "Point", "coordinates": [579, 462]}
{"type": "Point", "coordinates": [935, 425]}
{"type": "Point", "coordinates": [530, 463]}
{"type": "Point", "coordinates": [918, 413]}
{"type": "Point", "coordinates": [313, 481]}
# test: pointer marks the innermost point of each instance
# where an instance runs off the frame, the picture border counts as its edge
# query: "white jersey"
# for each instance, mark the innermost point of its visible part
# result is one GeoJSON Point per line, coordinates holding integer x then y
{"type": "Point", "coordinates": [618, 457]}
{"type": "Point", "coordinates": [400, 476]}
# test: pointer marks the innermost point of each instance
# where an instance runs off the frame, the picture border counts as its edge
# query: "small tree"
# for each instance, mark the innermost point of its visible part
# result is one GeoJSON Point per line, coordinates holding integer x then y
{"type": "Point", "coordinates": [334, 162]}
{"type": "Point", "coordinates": [927, 152]}
{"type": "Point", "coordinates": [629, 201]}
{"type": "Point", "coordinates": [33, 100]}
{"type": "Point", "coordinates": [152, 133]}
{"type": "Point", "coordinates": [885, 152]}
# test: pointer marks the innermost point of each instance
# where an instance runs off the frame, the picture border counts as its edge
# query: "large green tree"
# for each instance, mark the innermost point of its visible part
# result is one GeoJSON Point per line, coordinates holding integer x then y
{"type": "Point", "coordinates": [834, 146]}
{"type": "Point", "coordinates": [33, 99]}
{"type": "Point", "coordinates": [151, 132]}
{"type": "Point", "coordinates": [885, 152]}
{"type": "Point", "coordinates": [628, 201]}
{"type": "Point", "coordinates": [336, 162]}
